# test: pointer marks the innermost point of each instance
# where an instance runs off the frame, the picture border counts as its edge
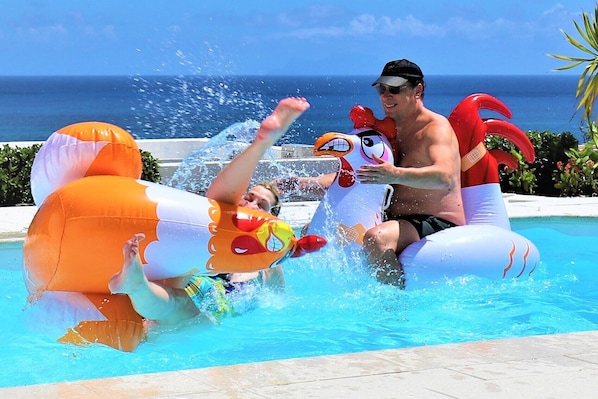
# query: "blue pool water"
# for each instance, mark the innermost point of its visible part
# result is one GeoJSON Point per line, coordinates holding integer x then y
{"type": "Point", "coordinates": [330, 307]}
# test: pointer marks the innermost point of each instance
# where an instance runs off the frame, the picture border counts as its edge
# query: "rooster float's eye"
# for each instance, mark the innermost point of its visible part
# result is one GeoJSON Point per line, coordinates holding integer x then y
{"type": "Point", "coordinates": [372, 144]}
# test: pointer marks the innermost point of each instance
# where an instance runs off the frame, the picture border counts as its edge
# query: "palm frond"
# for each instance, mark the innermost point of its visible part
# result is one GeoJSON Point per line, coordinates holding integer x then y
{"type": "Point", "coordinates": [590, 31]}
{"type": "Point", "coordinates": [585, 33]}
{"type": "Point", "coordinates": [568, 58]}
{"type": "Point", "coordinates": [577, 44]}
{"type": "Point", "coordinates": [587, 85]}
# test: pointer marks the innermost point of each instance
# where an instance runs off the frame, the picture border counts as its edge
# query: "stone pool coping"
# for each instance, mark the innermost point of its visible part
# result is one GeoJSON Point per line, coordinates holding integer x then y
{"type": "Point", "coordinates": [548, 366]}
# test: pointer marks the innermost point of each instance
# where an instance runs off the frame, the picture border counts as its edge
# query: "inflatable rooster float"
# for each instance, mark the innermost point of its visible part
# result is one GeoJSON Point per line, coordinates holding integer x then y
{"type": "Point", "coordinates": [486, 246]}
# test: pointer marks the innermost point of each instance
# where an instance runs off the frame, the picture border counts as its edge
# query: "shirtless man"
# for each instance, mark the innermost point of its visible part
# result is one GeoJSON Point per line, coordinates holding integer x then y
{"type": "Point", "coordinates": [426, 175]}
{"type": "Point", "coordinates": [171, 301]}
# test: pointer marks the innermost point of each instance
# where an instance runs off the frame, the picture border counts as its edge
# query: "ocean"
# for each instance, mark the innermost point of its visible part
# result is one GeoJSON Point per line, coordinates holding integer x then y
{"type": "Point", "coordinates": [32, 108]}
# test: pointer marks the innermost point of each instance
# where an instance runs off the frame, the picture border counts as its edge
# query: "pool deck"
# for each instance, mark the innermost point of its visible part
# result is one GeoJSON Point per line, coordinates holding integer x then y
{"type": "Point", "coordinates": [549, 366]}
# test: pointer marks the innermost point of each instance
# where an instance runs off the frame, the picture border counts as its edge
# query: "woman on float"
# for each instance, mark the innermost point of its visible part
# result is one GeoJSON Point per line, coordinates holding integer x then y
{"type": "Point", "coordinates": [173, 300]}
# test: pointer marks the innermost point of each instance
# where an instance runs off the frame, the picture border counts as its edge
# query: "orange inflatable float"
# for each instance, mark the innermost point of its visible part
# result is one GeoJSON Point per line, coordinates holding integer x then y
{"type": "Point", "coordinates": [85, 180]}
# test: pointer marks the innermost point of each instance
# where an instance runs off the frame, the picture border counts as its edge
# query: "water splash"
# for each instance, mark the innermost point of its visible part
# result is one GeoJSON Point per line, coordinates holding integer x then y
{"type": "Point", "coordinates": [193, 106]}
{"type": "Point", "coordinates": [197, 169]}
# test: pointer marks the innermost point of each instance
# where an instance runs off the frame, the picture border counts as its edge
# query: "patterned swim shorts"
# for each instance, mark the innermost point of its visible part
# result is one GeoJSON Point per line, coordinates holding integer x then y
{"type": "Point", "coordinates": [213, 296]}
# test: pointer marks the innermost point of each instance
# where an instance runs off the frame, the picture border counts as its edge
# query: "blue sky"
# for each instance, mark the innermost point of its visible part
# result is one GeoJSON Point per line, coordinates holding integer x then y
{"type": "Point", "coordinates": [247, 37]}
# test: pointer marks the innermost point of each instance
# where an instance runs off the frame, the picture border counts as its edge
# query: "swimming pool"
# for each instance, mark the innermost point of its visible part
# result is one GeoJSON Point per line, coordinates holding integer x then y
{"type": "Point", "coordinates": [330, 307]}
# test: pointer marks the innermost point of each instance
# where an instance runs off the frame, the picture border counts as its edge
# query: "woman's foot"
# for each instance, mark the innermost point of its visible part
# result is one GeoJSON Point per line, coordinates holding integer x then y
{"type": "Point", "coordinates": [279, 121]}
{"type": "Point", "coordinates": [131, 275]}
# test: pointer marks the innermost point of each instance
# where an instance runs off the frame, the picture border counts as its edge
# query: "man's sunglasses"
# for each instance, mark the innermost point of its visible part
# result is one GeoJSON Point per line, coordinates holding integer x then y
{"type": "Point", "coordinates": [381, 89]}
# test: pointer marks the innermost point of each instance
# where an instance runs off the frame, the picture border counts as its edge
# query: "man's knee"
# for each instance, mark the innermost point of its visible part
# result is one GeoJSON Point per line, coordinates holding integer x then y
{"type": "Point", "coordinates": [378, 239]}
{"type": "Point", "coordinates": [370, 238]}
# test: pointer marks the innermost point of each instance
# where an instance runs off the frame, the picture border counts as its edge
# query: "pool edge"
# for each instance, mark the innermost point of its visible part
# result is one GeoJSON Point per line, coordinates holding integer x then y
{"type": "Point", "coordinates": [557, 365]}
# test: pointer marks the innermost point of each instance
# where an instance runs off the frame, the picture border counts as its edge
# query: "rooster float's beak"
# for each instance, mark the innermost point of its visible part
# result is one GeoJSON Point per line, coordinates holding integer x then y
{"type": "Point", "coordinates": [334, 144]}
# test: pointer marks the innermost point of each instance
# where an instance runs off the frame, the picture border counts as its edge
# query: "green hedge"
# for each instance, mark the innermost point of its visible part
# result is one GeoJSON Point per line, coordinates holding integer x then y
{"type": "Point", "coordinates": [539, 177]}
{"type": "Point", "coordinates": [15, 172]}
{"type": "Point", "coordinates": [151, 167]}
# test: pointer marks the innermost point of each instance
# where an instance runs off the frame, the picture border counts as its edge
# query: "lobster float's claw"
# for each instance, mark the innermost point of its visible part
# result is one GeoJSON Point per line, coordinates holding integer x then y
{"type": "Point", "coordinates": [308, 244]}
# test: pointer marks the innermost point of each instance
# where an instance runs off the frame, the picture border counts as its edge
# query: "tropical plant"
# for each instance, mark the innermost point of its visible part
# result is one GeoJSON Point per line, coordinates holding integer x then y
{"type": "Point", "coordinates": [587, 87]}
{"type": "Point", "coordinates": [523, 178]}
{"type": "Point", "coordinates": [579, 176]}
{"type": "Point", "coordinates": [539, 176]}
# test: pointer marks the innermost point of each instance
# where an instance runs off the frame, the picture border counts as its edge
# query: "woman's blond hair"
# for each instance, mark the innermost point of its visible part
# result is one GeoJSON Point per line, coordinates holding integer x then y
{"type": "Point", "coordinates": [273, 188]}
